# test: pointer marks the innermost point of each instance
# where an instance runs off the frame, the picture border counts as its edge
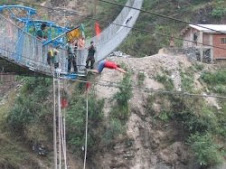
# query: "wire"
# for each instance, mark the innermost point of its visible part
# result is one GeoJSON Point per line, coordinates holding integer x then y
{"type": "Point", "coordinates": [160, 15]}
{"type": "Point", "coordinates": [133, 28]}
{"type": "Point", "coordinates": [117, 4]}
{"type": "Point", "coordinates": [117, 85]}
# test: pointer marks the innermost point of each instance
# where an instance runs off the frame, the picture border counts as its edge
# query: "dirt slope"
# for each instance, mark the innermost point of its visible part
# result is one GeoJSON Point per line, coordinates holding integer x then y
{"type": "Point", "coordinates": [152, 146]}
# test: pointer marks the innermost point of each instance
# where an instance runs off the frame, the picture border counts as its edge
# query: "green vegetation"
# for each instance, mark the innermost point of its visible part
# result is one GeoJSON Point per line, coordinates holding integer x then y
{"type": "Point", "coordinates": [219, 10]}
{"type": "Point", "coordinates": [121, 108]}
{"type": "Point", "coordinates": [76, 121]}
{"type": "Point", "coordinates": [216, 81]}
{"type": "Point", "coordinates": [31, 109]}
{"type": "Point", "coordinates": [160, 29]}
{"type": "Point", "coordinates": [105, 14]}
{"type": "Point", "coordinates": [120, 111]}
{"type": "Point", "coordinates": [112, 131]}
{"type": "Point", "coordinates": [24, 118]}
{"type": "Point", "coordinates": [199, 66]}
{"type": "Point", "coordinates": [218, 77]}
{"type": "Point", "coordinates": [206, 150]}
{"type": "Point", "coordinates": [4, 2]}
{"type": "Point", "coordinates": [187, 80]}
{"type": "Point", "coordinates": [166, 81]}
{"type": "Point", "coordinates": [141, 78]}
{"type": "Point", "coordinates": [203, 125]}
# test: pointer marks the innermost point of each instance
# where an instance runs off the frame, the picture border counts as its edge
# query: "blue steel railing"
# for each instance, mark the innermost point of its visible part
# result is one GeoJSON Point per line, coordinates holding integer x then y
{"type": "Point", "coordinates": [25, 49]}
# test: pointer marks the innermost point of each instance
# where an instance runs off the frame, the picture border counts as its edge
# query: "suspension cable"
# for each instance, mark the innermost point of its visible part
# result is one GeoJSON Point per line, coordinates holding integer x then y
{"type": "Point", "coordinates": [160, 15]}
{"type": "Point", "coordinates": [133, 28]}
{"type": "Point", "coordinates": [86, 132]}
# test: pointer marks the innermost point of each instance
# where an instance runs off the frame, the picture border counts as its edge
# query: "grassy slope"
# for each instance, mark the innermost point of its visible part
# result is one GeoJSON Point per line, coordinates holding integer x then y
{"type": "Point", "coordinates": [140, 44]}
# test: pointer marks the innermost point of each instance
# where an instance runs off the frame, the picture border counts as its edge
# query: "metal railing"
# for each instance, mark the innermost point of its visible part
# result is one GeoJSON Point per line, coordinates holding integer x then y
{"type": "Point", "coordinates": [24, 49]}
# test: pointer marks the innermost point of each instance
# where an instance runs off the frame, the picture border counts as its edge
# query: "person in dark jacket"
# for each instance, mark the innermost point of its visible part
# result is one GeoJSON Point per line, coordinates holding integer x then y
{"type": "Point", "coordinates": [91, 53]}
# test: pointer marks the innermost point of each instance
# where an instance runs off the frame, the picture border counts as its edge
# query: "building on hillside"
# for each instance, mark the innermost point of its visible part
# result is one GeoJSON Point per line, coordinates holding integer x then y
{"type": "Point", "coordinates": [204, 39]}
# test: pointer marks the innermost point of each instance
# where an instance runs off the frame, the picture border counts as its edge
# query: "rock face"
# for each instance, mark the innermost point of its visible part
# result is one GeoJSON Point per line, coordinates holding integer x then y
{"type": "Point", "coordinates": [148, 145]}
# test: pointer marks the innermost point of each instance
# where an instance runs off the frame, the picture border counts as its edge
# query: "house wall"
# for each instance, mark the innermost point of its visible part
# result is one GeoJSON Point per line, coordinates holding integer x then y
{"type": "Point", "coordinates": [189, 36]}
{"type": "Point", "coordinates": [219, 53]}
{"type": "Point", "coordinates": [206, 39]}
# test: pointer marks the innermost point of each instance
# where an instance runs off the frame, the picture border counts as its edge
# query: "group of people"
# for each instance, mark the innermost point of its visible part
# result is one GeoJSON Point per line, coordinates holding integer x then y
{"type": "Point", "coordinates": [75, 55]}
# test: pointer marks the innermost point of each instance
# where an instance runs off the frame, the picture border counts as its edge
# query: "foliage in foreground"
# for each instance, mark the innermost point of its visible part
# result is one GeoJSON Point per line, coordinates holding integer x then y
{"type": "Point", "coordinates": [199, 121]}
{"type": "Point", "coordinates": [76, 115]}
{"type": "Point", "coordinates": [205, 148]}
{"type": "Point", "coordinates": [216, 81]}
{"type": "Point", "coordinates": [31, 109]}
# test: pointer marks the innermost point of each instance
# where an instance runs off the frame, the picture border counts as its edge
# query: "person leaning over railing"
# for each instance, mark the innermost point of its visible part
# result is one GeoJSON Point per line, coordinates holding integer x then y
{"type": "Point", "coordinates": [52, 57]}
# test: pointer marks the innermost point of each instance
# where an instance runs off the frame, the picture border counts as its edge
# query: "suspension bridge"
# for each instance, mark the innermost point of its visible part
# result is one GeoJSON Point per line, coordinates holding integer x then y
{"type": "Point", "coordinates": [22, 53]}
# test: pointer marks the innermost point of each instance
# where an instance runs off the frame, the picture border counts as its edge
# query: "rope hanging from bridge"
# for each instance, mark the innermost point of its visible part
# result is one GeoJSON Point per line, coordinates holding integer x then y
{"type": "Point", "coordinates": [54, 125]}
{"type": "Point", "coordinates": [59, 126]}
{"type": "Point", "coordinates": [87, 119]}
{"type": "Point", "coordinates": [63, 133]}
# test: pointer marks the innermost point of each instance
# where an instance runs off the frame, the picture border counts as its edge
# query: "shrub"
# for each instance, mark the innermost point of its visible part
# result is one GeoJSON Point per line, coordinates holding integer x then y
{"type": "Point", "coordinates": [187, 79]}
{"type": "Point", "coordinates": [218, 77]}
{"type": "Point", "coordinates": [141, 77]}
{"type": "Point", "coordinates": [219, 10]}
{"type": "Point", "coordinates": [29, 106]}
{"type": "Point", "coordinates": [193, 113]}
{"type": "Point", "coordinates": [112, 131]}
{"type": "Point", "coordinates": [219, 89]}
{"type": "Point", "coordinates": [76, 115]}
{"type": "Point", "coordinates": [206, 150]}
{"type": "Point", "coordinates": [166, 81]}
{"type": "Point", "coordinates": [164, 116]}
{"type": "Point", "coordinates": [121, 109]}
{"type": "Point", "coordinates": [199, 66]}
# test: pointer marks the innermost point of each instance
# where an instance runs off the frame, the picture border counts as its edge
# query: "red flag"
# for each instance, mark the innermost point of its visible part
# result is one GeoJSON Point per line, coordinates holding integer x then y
{"type": "Point", "coordinates": [97, 28]}
{"type": "Point", "coordinates": [88, 85]}
{"type": "Point", "coordinates": [64, 103]}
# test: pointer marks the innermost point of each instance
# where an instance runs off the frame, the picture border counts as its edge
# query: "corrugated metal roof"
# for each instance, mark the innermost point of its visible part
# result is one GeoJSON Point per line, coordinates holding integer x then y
{"type": "Point", "coordinates": [209, 28]}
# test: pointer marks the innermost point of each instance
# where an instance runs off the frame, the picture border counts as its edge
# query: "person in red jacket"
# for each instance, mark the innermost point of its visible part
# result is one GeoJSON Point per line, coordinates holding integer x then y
{"type": "Point", "coordinates": [108, 64]}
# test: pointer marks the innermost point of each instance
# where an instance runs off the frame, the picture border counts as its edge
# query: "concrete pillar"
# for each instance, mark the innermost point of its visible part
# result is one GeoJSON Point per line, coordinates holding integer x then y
{"type": "Point", "coordinates": [211, 47]}
{"type": "Point", "coordinates": [200, 40]}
